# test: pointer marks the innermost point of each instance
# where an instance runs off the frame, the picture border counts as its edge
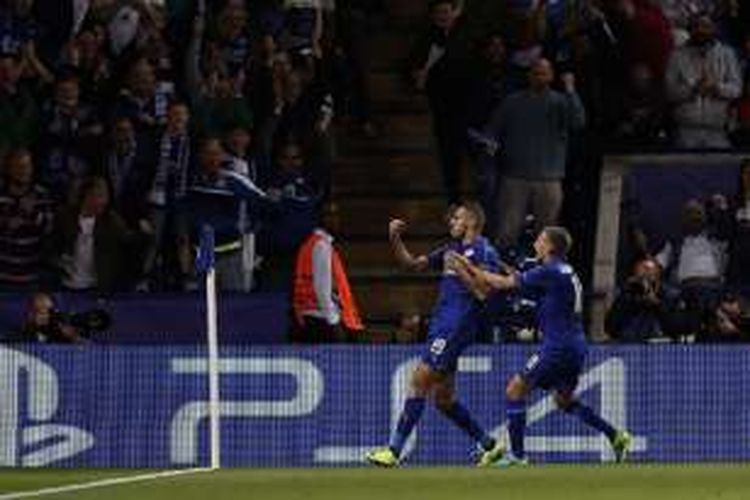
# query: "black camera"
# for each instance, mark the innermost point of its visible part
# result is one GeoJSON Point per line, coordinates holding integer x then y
{"type": "Point", "coordinates": [87, 323]}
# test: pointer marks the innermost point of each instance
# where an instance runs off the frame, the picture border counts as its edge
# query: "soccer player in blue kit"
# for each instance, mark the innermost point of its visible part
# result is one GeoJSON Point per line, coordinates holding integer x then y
{"type": "Point", "coordinates": [454, 323]}
{"type": "Point", "coordinates": [559, 362]}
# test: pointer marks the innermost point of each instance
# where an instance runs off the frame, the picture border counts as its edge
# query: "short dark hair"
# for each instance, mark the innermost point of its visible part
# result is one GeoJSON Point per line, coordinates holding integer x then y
{"type": "Point", "coordinates": [474, 208]}
{"type": "Point", "coordinates": [434, 3]}
{"type": "Point", "coordinates": [560, 239]}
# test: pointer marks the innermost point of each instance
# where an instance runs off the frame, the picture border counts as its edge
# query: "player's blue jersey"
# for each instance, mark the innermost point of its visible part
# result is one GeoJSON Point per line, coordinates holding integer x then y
{"type": "Point", "coordinates": [560, 304]}
{"type": "Point", "coordinates": [458, 313]}
{"type": "Point", "coordinates": [454, 296]}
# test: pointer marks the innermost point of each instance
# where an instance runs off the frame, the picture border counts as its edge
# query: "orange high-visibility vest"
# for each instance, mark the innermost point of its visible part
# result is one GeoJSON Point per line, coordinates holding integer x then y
{"type": "Point", "coordinates": [304, 298]}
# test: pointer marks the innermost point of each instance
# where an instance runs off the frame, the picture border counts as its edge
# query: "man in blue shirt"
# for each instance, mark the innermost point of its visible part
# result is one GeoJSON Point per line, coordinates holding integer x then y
{"type": "Point", "coordinates": [455, 321]}
{"type": "Point", "coordinates": [559, 362]}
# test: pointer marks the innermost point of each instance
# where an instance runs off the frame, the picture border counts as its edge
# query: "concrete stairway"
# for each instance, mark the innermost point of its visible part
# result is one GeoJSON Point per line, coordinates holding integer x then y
{"type": "Point", "coordinates": [394, 175]}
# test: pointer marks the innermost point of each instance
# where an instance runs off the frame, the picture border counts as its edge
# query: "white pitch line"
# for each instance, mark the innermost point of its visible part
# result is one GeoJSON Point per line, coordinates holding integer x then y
{"type": "Point", "coordinates": [102, 483]}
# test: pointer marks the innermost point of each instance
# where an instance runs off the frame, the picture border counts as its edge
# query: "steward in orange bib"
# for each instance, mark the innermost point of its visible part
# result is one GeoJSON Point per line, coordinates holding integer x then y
{"type": "Point", "coordinates": [323, 304]}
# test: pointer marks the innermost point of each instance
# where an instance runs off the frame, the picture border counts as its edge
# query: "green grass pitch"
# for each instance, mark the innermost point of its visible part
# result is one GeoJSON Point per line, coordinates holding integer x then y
{"type": "Point", "coordinates": [542, 482]}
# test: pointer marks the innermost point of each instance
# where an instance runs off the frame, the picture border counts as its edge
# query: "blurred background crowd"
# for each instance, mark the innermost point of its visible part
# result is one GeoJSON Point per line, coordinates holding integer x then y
{"type": "Point", "coordinates": [125, 126]}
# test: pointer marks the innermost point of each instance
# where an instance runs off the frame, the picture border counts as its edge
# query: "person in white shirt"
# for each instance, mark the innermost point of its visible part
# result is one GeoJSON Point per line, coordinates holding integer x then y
{"type": "Point", "coordinates": [702, 79]}
{"type": "Point", "coordinates": [699, 255]}
{"type": "Point", "coordinates": [93, 246]}
{"type": "Point", "coordinates": [696, 263]}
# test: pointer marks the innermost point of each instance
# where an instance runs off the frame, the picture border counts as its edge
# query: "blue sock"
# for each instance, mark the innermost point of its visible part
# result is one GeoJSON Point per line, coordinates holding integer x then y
{"type": "Point", "coordinates": [460, 416]}
{"type": "Point", "coordinates": [412, 412]}
{"type": "Point", "coordinates": [516, 413]}
{"type": "Point", "coordinates": [590, 418]}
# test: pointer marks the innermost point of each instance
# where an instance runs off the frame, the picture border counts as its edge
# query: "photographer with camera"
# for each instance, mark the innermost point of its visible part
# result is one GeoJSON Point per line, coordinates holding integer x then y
{"type": "Point", "coordinates": [640, 310]}
{"type": "Point", "coordinates": [44, 323]}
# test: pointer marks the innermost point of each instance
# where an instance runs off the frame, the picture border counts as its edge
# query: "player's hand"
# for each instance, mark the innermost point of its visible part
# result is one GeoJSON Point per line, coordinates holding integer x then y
{"type": "Point", "coordinates": [452, 263]}
{"type": "Point", "coordinates": [456, 260]}
{"type": "Point", "coordinates": [396, 228]}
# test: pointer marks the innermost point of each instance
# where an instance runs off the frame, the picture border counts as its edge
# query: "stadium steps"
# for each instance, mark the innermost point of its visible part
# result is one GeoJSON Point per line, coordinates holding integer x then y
{"type": "Point", "coordinates": [370, 216]}
{"type": "Point", "coordinates": [392, 175]}
{"type": "Point", "coordinates": [395, 172]}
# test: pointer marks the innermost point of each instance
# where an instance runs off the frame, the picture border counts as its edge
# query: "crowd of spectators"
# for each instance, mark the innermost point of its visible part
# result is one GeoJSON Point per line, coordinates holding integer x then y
{"type": "Point", "coordinates": [693, 285]}
{"type": "Point", "coordinates": [126, 125]}
{"type": "Point", "coordinates": [535, 92]}
{"type": "Point", "coordinates": [663, 74]}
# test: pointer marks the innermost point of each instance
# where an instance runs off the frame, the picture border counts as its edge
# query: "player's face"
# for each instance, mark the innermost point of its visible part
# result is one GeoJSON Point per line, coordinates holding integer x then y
{"type": "Point", "coordinates": [542, 246]}
{"type": "Point", "coordinates": [458, 222]}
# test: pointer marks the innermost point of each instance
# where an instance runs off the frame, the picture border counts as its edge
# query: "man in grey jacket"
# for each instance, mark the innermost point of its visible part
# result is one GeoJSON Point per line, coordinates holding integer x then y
{"type": "Point", "coordinates": [532, 128]}
{"type": "Point", "coordinates": [703, 78]}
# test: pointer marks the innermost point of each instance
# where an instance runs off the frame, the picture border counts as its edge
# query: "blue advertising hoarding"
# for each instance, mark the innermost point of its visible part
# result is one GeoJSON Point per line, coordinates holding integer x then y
{"type": "Point", "coordinates": [325, 406]}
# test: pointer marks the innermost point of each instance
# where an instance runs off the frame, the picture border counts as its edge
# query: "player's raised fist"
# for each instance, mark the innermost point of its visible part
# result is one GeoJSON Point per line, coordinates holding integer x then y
{"type": "Point", "coordinates": [396, 227]}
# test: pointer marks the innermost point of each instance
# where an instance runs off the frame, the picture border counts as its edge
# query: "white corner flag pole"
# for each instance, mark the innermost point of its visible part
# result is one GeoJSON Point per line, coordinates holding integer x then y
{"type": "Point", "coordinates": [213, 367]}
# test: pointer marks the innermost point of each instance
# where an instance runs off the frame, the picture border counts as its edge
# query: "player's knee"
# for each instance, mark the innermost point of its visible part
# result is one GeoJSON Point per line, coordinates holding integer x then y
{"type": "Point", "coordinates": [421, 381]}
{"type": "Point", "coordinates": [564, 401]}
{"type": "Point", "coordinates": [514, 391]}
{"type": "Point", "coordinates": [444, 400]}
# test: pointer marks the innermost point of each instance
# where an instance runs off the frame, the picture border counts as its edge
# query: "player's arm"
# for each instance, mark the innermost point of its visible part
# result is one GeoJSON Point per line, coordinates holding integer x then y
{"type": "Point", "coordinates": [468, 276]}
{"type": "Point", "coordinates": [395, 229]}
{"type": "Point", "coordinates": [487, 280]}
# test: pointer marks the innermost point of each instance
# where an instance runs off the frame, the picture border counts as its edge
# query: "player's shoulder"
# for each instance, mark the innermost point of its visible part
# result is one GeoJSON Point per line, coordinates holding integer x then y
{"type": "Point", "coordinates": [484, 247]}
{"type": "Point", "coordinates": [555, 269]}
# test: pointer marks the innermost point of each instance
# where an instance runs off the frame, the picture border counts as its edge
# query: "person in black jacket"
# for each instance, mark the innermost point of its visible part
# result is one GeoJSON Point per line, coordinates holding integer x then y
{"type": "Point", "coordinates": [439, 66]}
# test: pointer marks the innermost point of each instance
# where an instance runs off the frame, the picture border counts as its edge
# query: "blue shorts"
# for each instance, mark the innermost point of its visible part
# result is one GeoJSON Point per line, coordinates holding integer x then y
{"type": "Point", "coordinates": [554, 370]}
{"type": "Point", "coordinates": [441, 352]}
{"type": "Point", "coordinates": [444, 346]}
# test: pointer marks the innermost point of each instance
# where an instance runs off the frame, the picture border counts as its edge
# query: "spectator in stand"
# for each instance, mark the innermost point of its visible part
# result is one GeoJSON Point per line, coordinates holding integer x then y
{"type": "Point", "coordinates": [488, 89]}
{"type": "Point", "coordinates": [216, 98]}
{"type": "Point", "coordinates": [639, 311]}
{"type": "Point", "coordinates": [532, 128]}
{"type": "Point", "coordinates": [642, 117]}
{"type": "Point", "coordinates": [238, 143]}
{"type": "Point", "coordinates": [44, 324]}
{"type": "Point", "coordinates": [739, 255]}
{"type": "Point", "coordinates": [144, 99]}
{"type": "Point", "coordinates": [232, 49]}
{"type": "Point", "coordinates": [355, 25]}
{"type": "Point", "coordinates": [86, 54]}
{"type": "Point", "coordinates": [728, 323]}
{"type": "Point", "coordinates": [294, 215]}
{"type": "Point", "coordinates": [167, 195]}
{"type": "Point", "coordinates": [323, 303]}
{"type": "Point", "coordinates": [71, 130]}
{"type": "Point", "coordinates": [128, 166]}
{"type": "Point", "coordinates": [91, 245]}
{"type": "Point", "coordinates": [304, 111]}
{"type": "Point", "coordinates": [18, 110]}
{"type": "Point", "coordinates": [696, 262]}
{"type": "Point", "coordinates": [702, 78]}
{"type": "Point", "coordinates": [439, 66]}
{"type": "Point", "coordinates": [26, 213]}
{"type": "Point", "coordinates": [216, 199]}
{"type": "Point", "coordinates": [680, 13]}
